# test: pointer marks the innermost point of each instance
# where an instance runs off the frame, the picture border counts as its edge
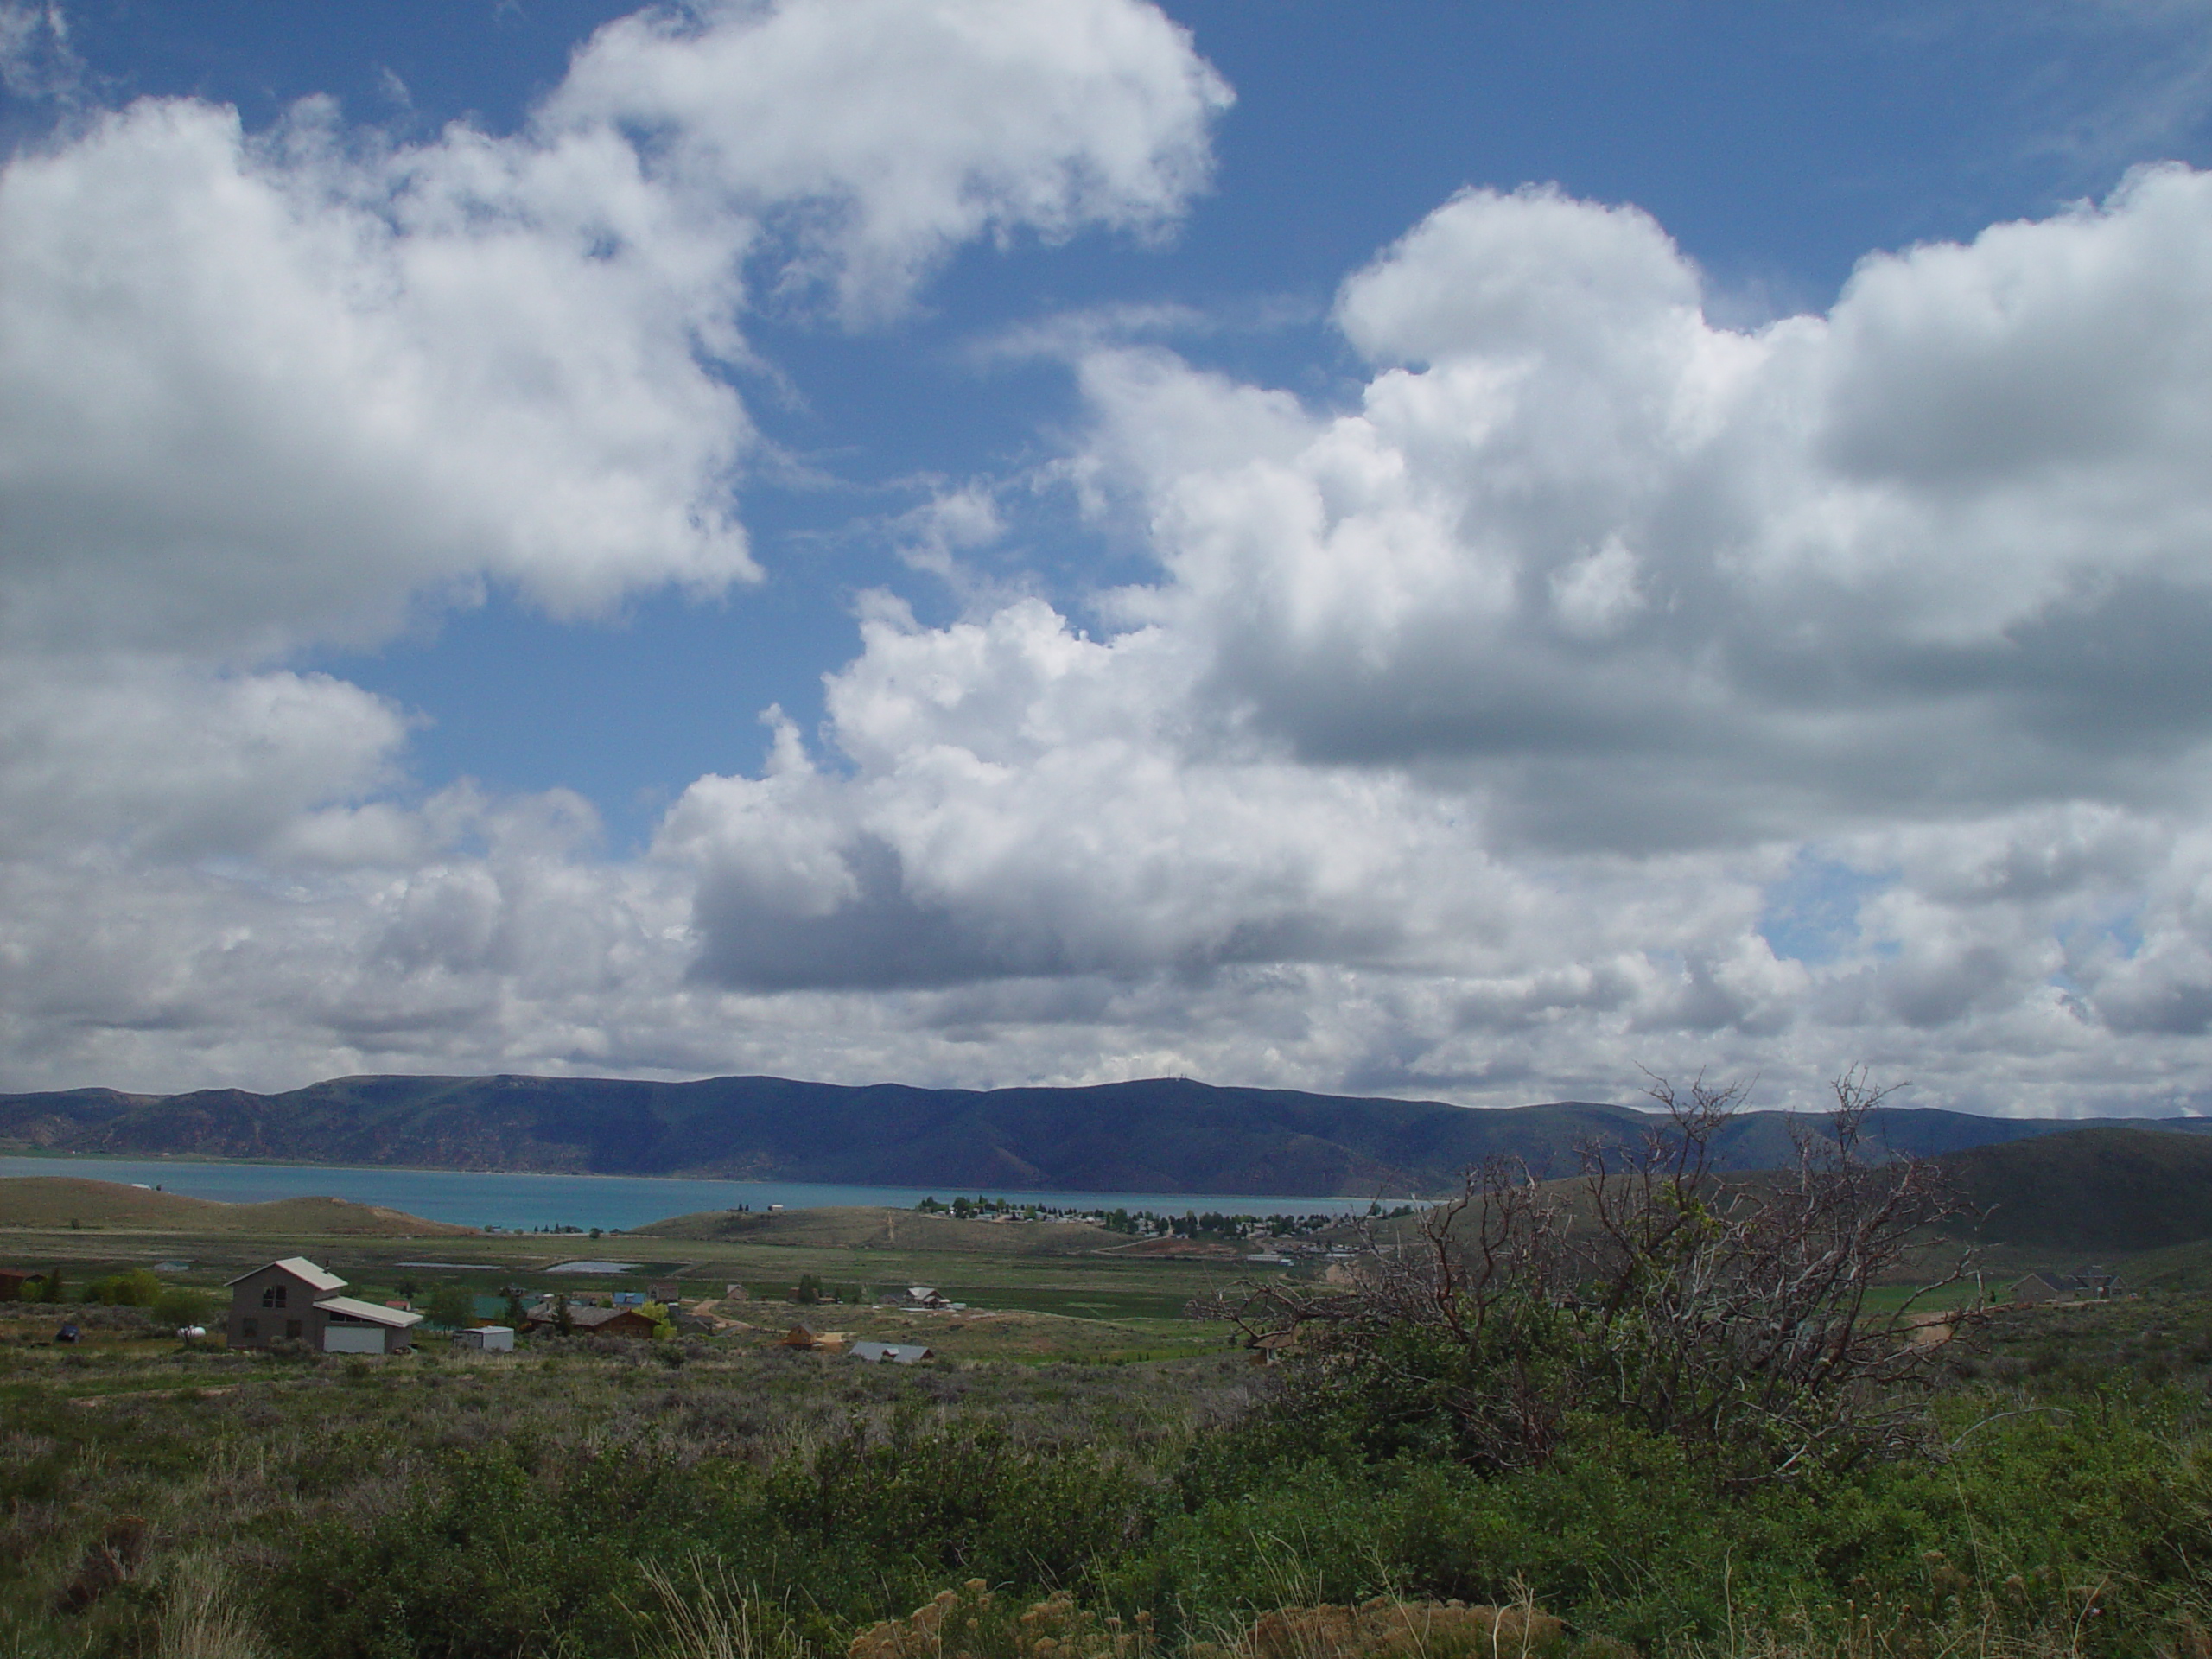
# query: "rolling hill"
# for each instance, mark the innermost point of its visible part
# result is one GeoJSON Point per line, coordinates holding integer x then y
{"type": "Point", "coordinates": [1156, 1135]}
{"type": "Point", "coordinates": [2104, 1189]}
{"type": "Point", "coordinates": [48, 1201]}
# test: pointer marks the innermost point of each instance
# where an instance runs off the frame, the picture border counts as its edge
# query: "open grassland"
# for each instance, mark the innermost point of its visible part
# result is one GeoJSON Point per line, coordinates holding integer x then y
{"type": "Point", "coordinates": [859, 1257]}
{"type": "Point", "coordinates": [1019, 1307]}
{"type": "Point", "coordinates": [1080, 1471]}
{"type": "Point", "coordinates": [646, 1501]}
{"type": "Point", "coordinates": [874, 1227]}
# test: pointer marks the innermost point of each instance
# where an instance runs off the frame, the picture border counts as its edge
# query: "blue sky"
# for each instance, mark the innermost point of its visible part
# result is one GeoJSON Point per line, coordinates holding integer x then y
{"type": "Point", "coordinates": [1778, 146]}
{"type": "Point", "coordinates": [1766, 730]}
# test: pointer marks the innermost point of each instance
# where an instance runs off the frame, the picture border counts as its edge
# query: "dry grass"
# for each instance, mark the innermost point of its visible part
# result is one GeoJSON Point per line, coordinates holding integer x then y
{"type": "Point", "coordinates": [703, 1613]}
{"type": "Point", "coordinates": [972, 1622]}
{"type": "Point", "coordinates": [46, 1201]}
{"type": "Point", "coordinates": [200, 1617]}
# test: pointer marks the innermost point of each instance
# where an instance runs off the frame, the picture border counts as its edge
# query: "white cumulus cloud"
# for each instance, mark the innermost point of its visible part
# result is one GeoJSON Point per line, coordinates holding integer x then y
{"type": "Point", "coordinates": [1514, 694]}
{"type": "Point", "coordinates": [1595, 685]}
{"type": "Point", "coordinates": [263, 392]}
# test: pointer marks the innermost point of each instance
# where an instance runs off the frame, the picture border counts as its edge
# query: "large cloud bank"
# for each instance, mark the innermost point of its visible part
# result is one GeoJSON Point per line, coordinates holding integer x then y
{"type": "Point", "coordinates": [1594, 686]}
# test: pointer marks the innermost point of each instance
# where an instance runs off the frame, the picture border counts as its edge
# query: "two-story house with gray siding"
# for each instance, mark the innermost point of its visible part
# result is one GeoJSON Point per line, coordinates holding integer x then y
{"type": "Point", "coordinates": [295, 1301]}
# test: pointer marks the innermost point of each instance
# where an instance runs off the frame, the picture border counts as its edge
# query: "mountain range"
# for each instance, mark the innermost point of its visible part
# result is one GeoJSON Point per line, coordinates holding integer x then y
{"type": "Point", "coordinates": [1153, 1135]}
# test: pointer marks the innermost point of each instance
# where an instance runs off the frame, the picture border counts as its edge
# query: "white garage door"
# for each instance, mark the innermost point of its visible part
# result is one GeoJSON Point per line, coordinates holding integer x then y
{"type": "Point", "coordinates": [352, 1340]}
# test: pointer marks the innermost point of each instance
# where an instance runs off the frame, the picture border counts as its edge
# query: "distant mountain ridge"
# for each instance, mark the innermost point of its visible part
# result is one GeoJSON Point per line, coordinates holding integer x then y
{"type": "Point", "coordinates": [1155, 1135]}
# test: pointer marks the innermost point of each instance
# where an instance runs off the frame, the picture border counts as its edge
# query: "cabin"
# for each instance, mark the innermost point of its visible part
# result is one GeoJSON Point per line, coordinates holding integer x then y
{"type": "Point", "coordinates": [13, 1281]}
{"type": "Point", "coordinates": [602, 1322]}
{"type": "Point", "coordinates": [2090, 1285]}
{"type": "Point", "coordinates": [295, 1301]}
{"type": "Point", "coordinates": [899, 1353]}
{"type": "Point", "coordinates": [805, 1336]}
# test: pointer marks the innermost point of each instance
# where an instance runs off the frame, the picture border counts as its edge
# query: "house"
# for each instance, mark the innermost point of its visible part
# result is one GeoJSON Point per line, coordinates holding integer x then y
{"type": "Point", "coordinates": [487, 1338]}
{"type": "Point", "coordinates": [16, 1282]}
{"type": "Point", "coordinates": [295, 1301]}
{"type": "Point", "coordinates": [595, 1322]}
{"type": "Point", "coordinates": [2090, 1285]}
{"type": "Point", "coordinates": [924, 1296]}
{"type": "Point", "coordinates": [899, 1353]}
{"type": "Point", "coordinates": [805, 1336]}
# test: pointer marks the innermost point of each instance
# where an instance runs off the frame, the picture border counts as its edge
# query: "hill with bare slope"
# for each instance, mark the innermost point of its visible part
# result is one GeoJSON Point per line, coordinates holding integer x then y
{"type": "Point", "coordinates": [47, 1201]}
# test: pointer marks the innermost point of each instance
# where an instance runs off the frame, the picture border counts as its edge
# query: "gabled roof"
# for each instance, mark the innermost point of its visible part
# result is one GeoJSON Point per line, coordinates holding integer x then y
{"type": "Point", "coordinates": [584, 1317]}
{"type": "Point", "coordinates": [400, 1318]}
{"type": "Point", "coordinates": [300, 1268]}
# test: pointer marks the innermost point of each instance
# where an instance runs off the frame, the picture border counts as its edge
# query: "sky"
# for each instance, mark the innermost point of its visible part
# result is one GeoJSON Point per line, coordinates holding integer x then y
{"type": "Point", "coordinates": [1454, 551]}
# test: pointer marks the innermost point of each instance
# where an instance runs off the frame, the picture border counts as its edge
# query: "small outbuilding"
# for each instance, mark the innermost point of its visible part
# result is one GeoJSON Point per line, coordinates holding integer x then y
{"type": "Point", "coordinates": [487, 1338]}
{"type": "Point", "coordinates": [356, 1327]}
{"type": "Point", "coordinates": [899, 1353]}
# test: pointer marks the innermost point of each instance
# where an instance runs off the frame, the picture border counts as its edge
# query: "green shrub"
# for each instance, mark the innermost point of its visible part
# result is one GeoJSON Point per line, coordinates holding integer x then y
{"type": "Point", "coordinates": [137, 1288]}
{"type": "Point", "coordinates": [509, 1549]}
{"type": "Point", "coordinates": [962, 1502]}
{"type": "Point", "coordinates": [2096, 1515]}
{"type": "Point", "coordinates": [180, 1305]}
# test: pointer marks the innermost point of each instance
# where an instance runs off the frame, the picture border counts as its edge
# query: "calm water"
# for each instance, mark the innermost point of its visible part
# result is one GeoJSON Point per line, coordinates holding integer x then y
{"type": "Point", "coordinates": [521, 1202]}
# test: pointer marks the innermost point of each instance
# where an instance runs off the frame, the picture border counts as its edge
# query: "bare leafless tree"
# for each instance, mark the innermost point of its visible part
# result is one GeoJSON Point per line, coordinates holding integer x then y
{"type": "Point", "coordinates": [1729, 1312]}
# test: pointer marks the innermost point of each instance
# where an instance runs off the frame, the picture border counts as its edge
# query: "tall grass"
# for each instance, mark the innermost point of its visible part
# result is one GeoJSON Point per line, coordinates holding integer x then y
{"type": "Point", "coordinates": [200, 1616]}
{"type": "Point", "coordinates": [701, 1611]}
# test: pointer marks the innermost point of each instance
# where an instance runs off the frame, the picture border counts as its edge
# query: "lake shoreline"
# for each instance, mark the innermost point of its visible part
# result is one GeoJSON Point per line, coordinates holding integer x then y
{"type": "Point", "coordinates": [524, 1201]}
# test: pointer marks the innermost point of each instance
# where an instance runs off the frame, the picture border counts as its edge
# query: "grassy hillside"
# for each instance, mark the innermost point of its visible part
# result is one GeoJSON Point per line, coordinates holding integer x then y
{"type": "Point", "coordinates": [2099, 1189]}
{"type": "Point", "coordinates": [869, 1227]}
{"type": "Point", "coordinates": [1157, 1135]}
{"type": "Point", "coordinates": [46, 1201]}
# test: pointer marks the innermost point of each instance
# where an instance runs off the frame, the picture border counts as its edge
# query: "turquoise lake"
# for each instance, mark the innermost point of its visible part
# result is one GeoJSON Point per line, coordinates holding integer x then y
{"type": "Point", "coordinates": [517, 1203]}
